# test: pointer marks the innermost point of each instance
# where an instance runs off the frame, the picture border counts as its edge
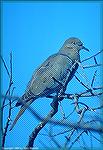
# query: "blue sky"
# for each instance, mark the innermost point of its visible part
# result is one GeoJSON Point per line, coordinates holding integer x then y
{"type": "Point", "coordinates": [34, 31]}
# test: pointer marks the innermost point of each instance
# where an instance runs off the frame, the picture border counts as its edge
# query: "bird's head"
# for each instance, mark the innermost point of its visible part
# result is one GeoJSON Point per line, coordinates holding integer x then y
{"type": "Point", "coordinates": [74, 42]}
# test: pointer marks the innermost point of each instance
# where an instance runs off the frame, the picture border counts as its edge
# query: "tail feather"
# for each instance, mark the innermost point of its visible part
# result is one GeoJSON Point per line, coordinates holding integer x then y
{"type": "Point", "coordinates": [23, 108]}
{"type": "Point", "coordinates": [25, 98]}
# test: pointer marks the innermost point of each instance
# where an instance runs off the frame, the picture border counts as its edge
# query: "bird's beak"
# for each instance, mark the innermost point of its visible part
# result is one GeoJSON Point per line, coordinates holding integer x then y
{"type": "Point", "coordinates": [85, 48]}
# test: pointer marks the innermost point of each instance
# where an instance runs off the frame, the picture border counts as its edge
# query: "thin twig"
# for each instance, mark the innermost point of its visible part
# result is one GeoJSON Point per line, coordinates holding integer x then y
{"type": "Point", "coordinates": [95, 60]}
{"type": "Point", "coordinates": [91, 66]}
{"type": "Point", "coordinates": [72, 143]}
{"type": "Point", "coordinates": [92, 56]}
{"type": "Point", "coordinates": [69, 137]}
{"type": "Point", "coordinates": [5, 66]}
{"type": "Point", "coordinates": [10, 79]}
{"type": "Point", "coordinates": [62, 111]}
{"type": "Point", "coordinates": [53, 139]}
{"type": "Point", "coordinates": [7, 92]}
{"type": "Point", "coordinates": [96, 138]}
{"type": "Point", "coordinates": [94, 76]}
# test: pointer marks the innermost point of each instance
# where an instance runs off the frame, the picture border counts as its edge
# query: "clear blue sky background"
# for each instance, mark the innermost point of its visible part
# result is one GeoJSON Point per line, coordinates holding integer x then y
{"type": "Point", "coordinates": [33, 31]}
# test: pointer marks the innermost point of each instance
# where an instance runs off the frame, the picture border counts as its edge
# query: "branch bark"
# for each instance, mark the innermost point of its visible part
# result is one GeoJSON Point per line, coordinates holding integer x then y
{"type": "Point", "coordinates": [43, 122]}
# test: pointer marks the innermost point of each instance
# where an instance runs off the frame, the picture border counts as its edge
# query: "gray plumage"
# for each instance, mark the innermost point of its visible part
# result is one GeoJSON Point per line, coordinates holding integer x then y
{"type": "Point", "coordinates": [56, 66]}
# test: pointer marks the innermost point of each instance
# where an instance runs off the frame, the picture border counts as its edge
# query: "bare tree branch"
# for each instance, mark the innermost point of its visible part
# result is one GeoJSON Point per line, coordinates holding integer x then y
{"type": "Point", "coordinates": [10, 92]}
{"type": "Point", "coordinates": [43, 123]}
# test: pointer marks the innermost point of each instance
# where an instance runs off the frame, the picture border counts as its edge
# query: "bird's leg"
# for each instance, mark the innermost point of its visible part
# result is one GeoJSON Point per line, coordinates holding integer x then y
{"type": "Point", "coordinates": [58, 97]}
{"type": "Point", "coordinates": [62, 90]}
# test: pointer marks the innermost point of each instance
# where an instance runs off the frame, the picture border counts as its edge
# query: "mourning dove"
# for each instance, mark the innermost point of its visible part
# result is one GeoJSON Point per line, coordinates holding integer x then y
{"type": "Point", "coordinates": [57, 66]}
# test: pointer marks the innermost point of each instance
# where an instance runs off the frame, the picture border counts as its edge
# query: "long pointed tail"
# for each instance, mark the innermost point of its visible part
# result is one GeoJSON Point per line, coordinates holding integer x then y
{"type": "Point", "coordinates": [23, 108]}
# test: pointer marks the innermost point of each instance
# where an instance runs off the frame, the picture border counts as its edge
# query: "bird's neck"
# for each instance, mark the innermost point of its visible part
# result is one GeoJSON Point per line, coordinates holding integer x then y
{"type": "Point", "coordinates": [71, 53]}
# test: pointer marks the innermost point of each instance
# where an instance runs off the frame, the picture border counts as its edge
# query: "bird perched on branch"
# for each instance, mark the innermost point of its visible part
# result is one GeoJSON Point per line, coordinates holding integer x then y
{"type": "Point", "coordinates": [54, 70]}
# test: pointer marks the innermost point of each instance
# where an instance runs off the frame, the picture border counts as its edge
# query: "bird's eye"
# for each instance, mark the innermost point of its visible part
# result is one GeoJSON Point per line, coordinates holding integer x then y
{"type": "Point", "coordinates": [80, 44]}
{"type": "Point", "coordinates": [73, 42]}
